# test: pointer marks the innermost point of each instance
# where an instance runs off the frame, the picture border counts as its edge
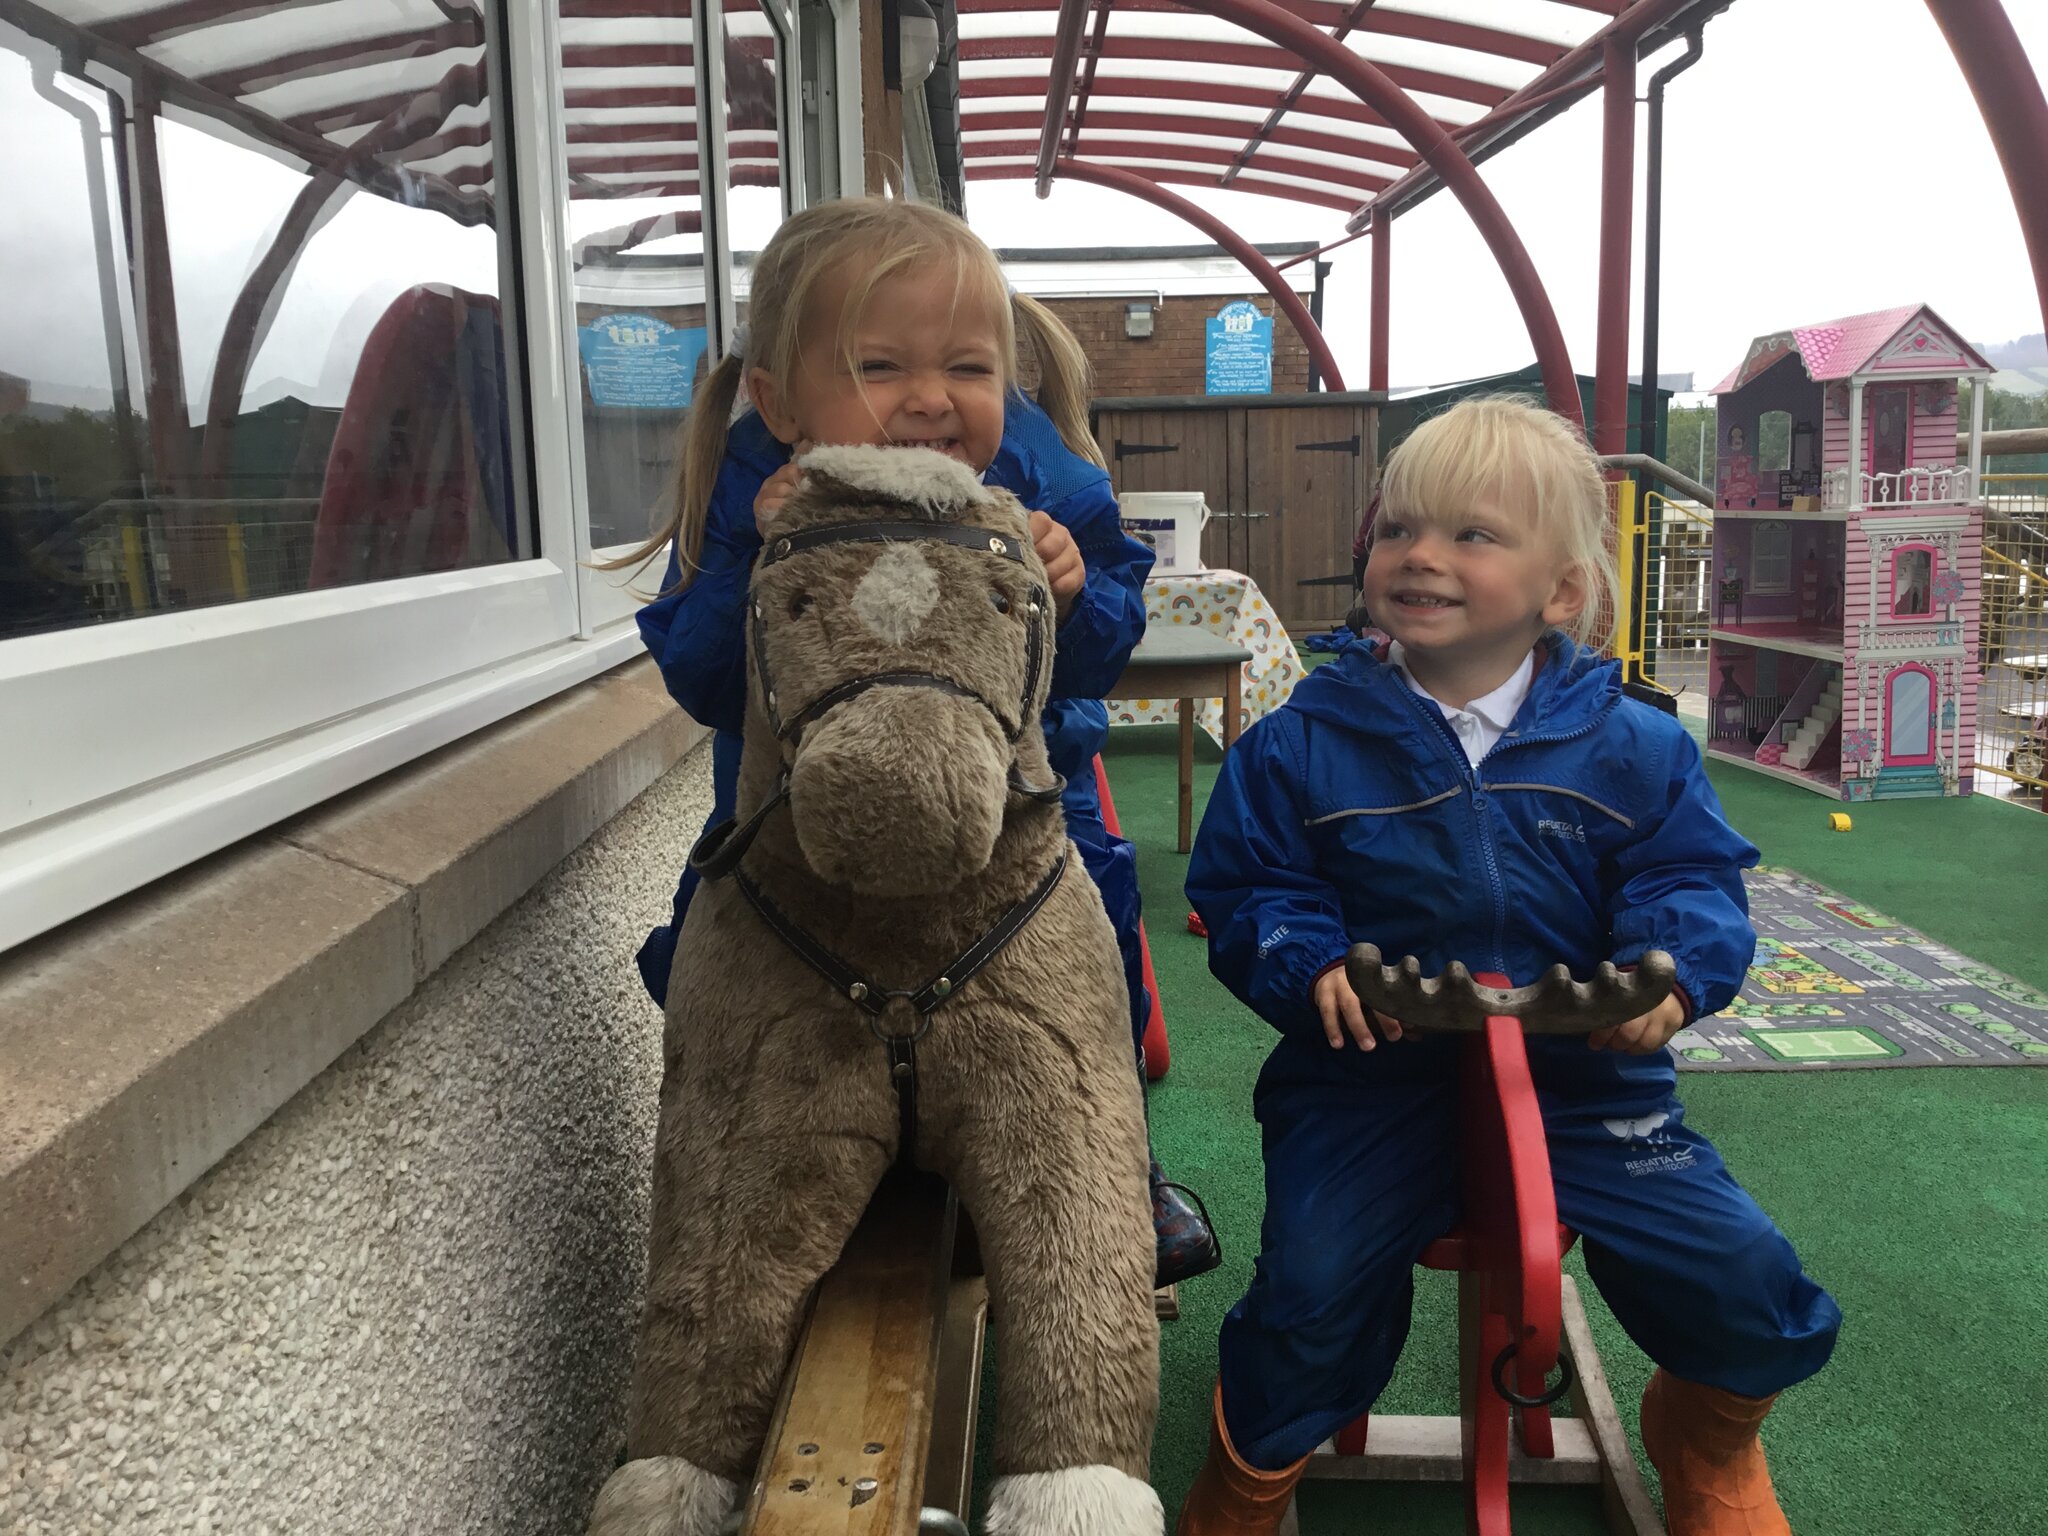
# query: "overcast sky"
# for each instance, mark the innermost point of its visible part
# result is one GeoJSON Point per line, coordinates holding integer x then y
{"type": "Point", "coordinates": [1823, 158]}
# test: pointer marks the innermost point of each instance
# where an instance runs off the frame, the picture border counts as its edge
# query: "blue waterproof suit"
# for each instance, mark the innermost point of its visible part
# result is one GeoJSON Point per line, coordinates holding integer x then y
{"type": "Point", "coordinates": [1588, 833]}
{"type": "Point", "coordinates": [698, 638]}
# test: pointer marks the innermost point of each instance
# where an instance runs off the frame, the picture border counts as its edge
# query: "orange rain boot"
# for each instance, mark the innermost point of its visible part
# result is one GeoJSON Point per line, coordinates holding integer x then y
{"type": "Point", "coordinates": [1703, 1443]}
{"type": "Point", "coordinates": [1230, 1498]}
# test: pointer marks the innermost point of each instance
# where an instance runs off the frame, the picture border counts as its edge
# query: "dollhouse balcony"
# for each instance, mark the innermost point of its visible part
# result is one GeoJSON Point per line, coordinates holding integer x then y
{"type": "Point", "coordinates": [1933, 485]}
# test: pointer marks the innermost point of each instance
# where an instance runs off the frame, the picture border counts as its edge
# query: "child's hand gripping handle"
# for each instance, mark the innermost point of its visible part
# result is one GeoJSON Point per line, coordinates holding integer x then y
{"type": "Point", "coordinates": [1555, 1005]}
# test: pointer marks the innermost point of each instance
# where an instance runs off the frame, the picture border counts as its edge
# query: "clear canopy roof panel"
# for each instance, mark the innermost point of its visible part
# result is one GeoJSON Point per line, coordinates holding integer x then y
{"type": "Point", "coordinates": [1175, 87]}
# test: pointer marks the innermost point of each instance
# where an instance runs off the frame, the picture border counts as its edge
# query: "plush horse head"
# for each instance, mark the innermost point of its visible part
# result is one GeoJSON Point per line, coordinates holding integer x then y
{"type": "Point", "coordinates": [900, 639]}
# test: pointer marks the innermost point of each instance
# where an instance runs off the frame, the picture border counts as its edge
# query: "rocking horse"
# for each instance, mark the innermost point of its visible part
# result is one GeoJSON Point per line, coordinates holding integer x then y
{"type": "Point", "coordinates": [1519, 1316]}
{"type": "Point", "coordinates": [896, 960]}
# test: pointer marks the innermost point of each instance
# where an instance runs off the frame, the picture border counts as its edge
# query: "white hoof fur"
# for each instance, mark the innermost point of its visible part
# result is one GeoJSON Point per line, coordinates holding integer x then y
{"type": "Point", "coordinates": [1075, 1501]}
{"type": "Point", "coordinates": [662, 1496]}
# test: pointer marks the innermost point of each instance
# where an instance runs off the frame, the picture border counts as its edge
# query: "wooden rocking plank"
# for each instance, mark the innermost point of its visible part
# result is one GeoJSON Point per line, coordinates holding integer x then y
{"type": "Point", "coordinates": [848, 1446]}
{"type": "Point", "coordinates": [1422, 1448]}
{"type": "Point", "coordinates": [1627, 1500]}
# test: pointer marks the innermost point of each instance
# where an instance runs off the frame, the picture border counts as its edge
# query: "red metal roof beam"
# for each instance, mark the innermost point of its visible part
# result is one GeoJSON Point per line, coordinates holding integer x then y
{"type": "Point", "coordinates": [1291, 95]}
{"type": "Point", "coordinates": [1087, 75]}
{"type": "Point", "coordinates": [1347, 109]}
{"type": "Point", "coordinates": [1335, 144]}
{"type": "Point", "coordinates": [1374, 86]}
{"type": "Point", "coordinates": [1059, 86]}
{"type": "Point", "coordinates": [1578, 71]}
{"type": "Point", "coordinates": [980, 171]}
{"type": "Point", "coordinates": [1248, 255]}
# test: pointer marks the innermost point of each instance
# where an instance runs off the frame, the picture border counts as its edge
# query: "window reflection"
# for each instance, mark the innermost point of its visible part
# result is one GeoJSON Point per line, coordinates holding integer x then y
{"type": "Point", "coordinates": [635, 220]}
{"type": "Point", "coordinates": [251, 340]}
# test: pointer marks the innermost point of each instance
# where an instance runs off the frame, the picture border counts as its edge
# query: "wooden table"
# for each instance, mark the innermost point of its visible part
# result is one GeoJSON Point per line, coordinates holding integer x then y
{"type": "Point", "coordinates": [1187, 664]}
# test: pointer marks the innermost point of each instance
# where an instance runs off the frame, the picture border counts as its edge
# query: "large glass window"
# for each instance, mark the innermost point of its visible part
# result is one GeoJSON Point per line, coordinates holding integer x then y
{"type": "Point", "coordinates": [253, 324]}
{"type": "Point", "coordinates": [636, 221]}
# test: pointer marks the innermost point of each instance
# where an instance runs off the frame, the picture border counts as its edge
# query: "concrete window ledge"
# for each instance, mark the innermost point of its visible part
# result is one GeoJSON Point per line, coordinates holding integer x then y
{"type": "Point", "coordinates": [139, 1044]}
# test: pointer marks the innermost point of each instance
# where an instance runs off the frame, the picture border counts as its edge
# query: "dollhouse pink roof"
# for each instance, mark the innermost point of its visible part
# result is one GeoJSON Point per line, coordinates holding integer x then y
{"type": "Point", "coordinates": [1841, 349]}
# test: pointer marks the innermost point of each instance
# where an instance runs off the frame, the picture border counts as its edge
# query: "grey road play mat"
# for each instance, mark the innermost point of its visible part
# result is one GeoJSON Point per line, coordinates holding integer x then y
{"type": "Point", "coordinates": [1836, 984]}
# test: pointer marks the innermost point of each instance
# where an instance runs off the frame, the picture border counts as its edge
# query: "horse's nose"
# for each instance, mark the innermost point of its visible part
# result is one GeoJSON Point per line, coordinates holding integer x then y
{"type": "Point", "coordinates": [897, 594]}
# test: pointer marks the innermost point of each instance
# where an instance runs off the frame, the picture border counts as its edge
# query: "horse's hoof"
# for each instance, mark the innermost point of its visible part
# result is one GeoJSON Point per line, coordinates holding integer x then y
{"type": "Point", "coordinates": [1075, 1501]}
{"type": "Point", "coordinates": [662, 1496]}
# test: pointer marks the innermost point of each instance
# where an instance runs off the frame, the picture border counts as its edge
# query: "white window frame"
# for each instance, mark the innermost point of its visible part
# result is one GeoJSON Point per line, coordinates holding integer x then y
{"type": "Point", "coordinates": [130, 749]}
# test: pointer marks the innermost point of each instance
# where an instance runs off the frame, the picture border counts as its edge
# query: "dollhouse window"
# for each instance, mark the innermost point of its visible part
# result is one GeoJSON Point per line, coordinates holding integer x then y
{"type": "Point", "coordinates": [1909, 716]}
{"type": "Point", "coordinates": [1774, 441]}
{"type": "Point", "coordinates": [1770, 558]}
{"type": "Point", "coordinates": [1889, 411]}
{"type": "Point", "coordinates": [1912, 581]}
{"type": "Point", "coordinates": [1804, 460]}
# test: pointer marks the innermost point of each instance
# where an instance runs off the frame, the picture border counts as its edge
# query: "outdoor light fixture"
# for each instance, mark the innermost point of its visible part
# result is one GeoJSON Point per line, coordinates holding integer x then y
{"type": "Point", "coordinates": [1138, 319]}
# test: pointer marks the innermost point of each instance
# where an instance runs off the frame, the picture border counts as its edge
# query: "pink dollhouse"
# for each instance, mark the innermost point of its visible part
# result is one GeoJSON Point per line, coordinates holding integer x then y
{"type": "Point", "coordinates": [1847, 544]}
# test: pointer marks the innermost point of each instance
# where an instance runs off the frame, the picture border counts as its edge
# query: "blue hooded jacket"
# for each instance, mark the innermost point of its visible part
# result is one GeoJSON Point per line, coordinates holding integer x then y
{"type": "Point", "coordinates": [1589, 832]}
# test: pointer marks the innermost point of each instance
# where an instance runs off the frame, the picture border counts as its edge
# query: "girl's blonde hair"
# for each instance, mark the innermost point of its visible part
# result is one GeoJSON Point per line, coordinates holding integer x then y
{"type": "Point", "coordinates": [870, 238]}
{"type": "Point", "coordinates": [1054, 371]}
{"type": "Point", "coordinates": [1529, 460]}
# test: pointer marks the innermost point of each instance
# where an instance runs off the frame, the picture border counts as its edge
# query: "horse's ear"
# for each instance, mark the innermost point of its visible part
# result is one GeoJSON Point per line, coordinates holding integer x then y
{"type": "Point", "coordinates": [912, 477]}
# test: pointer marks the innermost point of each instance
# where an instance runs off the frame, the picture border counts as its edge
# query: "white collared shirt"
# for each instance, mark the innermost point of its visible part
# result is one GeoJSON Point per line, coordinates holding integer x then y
{"type": "Point", "coordinates": [1480, 723]}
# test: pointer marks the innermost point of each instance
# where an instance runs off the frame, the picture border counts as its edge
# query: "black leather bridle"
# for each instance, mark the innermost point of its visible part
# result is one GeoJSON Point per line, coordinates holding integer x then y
{"type": "Point", "coordinates": [722, 848]}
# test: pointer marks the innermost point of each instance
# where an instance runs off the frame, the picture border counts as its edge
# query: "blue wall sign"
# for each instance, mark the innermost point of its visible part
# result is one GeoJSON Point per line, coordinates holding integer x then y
{"type": "Point", "coordinates": [639, 360]}
{"type": "Point", "coordinates": [1240, 351]}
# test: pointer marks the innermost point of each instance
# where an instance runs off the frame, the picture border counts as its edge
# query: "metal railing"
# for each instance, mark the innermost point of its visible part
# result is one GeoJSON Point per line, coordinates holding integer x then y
{"type": "Point", "coordinates": [2012, 695]}
{"type": "Point", "coordinates": [1666, 557]}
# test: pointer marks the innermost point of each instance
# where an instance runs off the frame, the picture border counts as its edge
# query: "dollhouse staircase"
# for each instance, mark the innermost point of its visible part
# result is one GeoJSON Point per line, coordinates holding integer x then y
{"type": "Point", "coordinates": [1807, 737]}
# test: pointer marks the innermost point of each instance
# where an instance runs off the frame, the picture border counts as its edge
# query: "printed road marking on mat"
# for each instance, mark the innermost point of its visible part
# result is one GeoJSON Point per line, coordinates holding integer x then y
{"type": "Point", "coordinates": [1836, 984]}
{"type": "Point", "coordinates": [1823, 1044]}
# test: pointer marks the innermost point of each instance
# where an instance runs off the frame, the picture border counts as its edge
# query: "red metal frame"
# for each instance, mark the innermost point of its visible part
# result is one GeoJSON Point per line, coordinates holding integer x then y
{"type": "Point", "coordinates": [1375, 87]}
{"type": "Point", "coordinates": [1193, 127]}
{"type": "Point", "coordinates": [1104, 147]}
{"type": "Point", "coordinates": [1287, 98]}
{"type": "Point", "coordinates": [1197, 93]}
{"type": "Point", "coordinates": [1469, 36]}
{"type": "Point", "coordinates": [1161, 176]}
{"type": "Point", "coordinates": [1229, 56]}
{"type": "Point", "coordinates": [1617, 204]}
{"type": "Point", "coordinates": [1574, 74]}
{"type": "Point", "coordinates": [2008, 94]}
{"type": "Point", "coordinates": [1248, 255]}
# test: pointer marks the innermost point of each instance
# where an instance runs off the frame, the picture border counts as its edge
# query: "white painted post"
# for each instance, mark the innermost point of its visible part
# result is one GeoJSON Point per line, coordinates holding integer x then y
{"type": "Point", "coordinates": [1979, 387]}
{"type": "Point", "coordinates": [1855, 445]}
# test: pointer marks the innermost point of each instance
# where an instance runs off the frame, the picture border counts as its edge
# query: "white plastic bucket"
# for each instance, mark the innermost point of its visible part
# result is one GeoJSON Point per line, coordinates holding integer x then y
{"type": "Point", "coordinates": [1171, 522]}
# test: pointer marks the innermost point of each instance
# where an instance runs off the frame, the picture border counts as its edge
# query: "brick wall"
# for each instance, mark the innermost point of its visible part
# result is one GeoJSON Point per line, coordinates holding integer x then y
{"type": "Point", "coordinates": [1172, 360]}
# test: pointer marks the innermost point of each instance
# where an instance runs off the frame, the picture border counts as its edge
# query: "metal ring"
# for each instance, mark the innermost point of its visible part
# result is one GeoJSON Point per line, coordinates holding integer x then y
{"type": "Point", "coordinates": [1541, 1400]}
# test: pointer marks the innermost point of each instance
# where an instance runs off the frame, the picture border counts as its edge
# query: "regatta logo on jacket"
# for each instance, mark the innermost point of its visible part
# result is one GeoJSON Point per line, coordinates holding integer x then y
{"type": "Point", "coordinates": [1570, 831]}
{"type": "Point", "coordinates": [1266, 944]}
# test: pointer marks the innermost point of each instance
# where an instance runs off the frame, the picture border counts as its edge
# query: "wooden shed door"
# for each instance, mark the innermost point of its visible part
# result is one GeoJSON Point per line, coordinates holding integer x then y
{"type": "Point", "coordinates": [1307, 473]}
{"type": "Point", "coordinates": [1181, 451]}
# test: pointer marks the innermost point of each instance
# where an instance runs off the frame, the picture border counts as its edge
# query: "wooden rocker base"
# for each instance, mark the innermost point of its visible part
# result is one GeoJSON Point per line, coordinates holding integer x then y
{"type": "Point", "coordinates": [1591, 1446]}
{"type": "Point", "coordinates": [874, 1432]}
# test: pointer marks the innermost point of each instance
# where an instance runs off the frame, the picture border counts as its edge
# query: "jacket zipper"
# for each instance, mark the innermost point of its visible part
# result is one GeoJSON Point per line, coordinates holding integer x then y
{"type": "Point", "coordinates": [1496, 886]}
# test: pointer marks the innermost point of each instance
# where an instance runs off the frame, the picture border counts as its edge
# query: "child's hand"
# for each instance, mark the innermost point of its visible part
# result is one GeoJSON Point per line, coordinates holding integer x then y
{"type": "Point", "coordinates": [1064, 568]}
{"type": "Point", "coordinates": [776, 490]}
{"type": "Point", "coordinates": [1641, 1036]}
{"type": "Point", "coordinates": [1342, 1011]}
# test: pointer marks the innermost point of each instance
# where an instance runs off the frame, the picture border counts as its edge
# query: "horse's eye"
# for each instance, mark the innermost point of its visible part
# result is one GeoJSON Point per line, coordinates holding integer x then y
{"type": "Point", "coordinates": [800, 605]}
{"type": "Point", "coordinates": [999, 600]}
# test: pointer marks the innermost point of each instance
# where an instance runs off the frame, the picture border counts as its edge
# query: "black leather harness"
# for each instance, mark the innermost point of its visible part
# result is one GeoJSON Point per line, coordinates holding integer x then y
{"type": "Point", "coordinates": [722, 848]}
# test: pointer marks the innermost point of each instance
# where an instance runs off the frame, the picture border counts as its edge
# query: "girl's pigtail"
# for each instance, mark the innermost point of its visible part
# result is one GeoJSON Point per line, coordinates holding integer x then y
{"type": "Point", "coordinates": [1061, 388]}
{"type": "Point", "coordinates": [703, 435]}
